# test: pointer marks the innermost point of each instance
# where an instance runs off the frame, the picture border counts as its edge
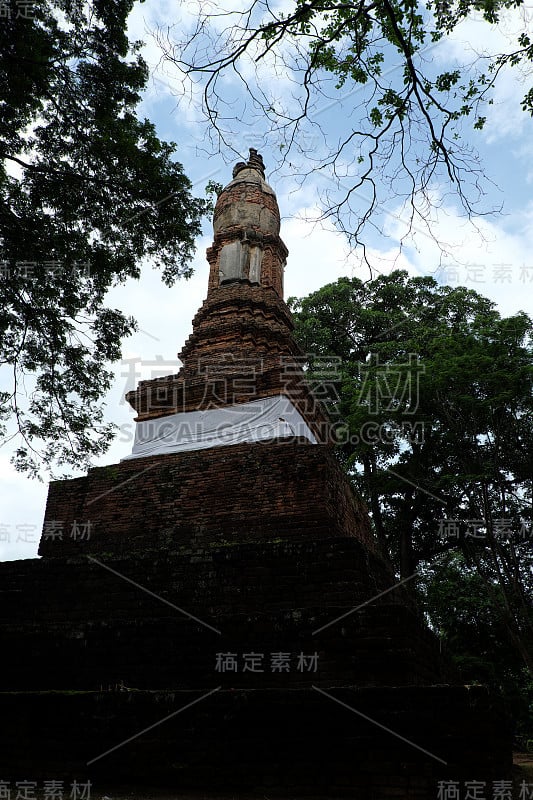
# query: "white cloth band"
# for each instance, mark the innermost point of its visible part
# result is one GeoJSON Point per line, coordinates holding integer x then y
{"type": "Point", "coordinates": [259, 420]}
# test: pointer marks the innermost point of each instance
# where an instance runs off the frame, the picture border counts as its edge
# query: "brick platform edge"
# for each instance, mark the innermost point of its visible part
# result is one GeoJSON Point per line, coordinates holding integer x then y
{"type": "Point", "coordinates": [111, 660]}
{"type": "Point", "coordinates": [158, 621]}
{"type": "Point", "coordinates": [226, 494]}
{"type": "Point", "coordinates": [245, 549]}
{"type": "Point", "coordinates": [269, 741]}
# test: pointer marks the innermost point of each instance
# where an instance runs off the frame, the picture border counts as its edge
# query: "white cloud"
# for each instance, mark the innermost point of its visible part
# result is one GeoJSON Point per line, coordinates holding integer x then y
{"type": "Point", "coordinates": [21, 513]}
{"type": "Point", "coordinates": [490, 256]}
{"type": "Point", "coordinates": [318, 255]}
{"type": "Point", "coordinates": [167, 86]}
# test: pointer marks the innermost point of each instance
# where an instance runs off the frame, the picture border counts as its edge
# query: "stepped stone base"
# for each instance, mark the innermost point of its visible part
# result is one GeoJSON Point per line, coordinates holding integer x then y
{"type": "Point", "coordinates": [84, 624]}
{"type": "Point", "coordinates": [265, 741]}
{"type": "Point", "coordinates": [245, 492]}
{"type": "Point", "coordinates": [200, 560]}
{"type": "Point", "coordinates": [107, 660]}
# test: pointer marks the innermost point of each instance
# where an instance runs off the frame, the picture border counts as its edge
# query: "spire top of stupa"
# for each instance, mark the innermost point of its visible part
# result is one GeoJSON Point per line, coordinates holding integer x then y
{"type": "Point", "coordinates": [255, 161]}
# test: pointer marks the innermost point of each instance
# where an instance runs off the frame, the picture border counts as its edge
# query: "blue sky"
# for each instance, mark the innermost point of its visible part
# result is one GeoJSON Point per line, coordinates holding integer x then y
{"type": "Point", "coordinates": [494, 255]}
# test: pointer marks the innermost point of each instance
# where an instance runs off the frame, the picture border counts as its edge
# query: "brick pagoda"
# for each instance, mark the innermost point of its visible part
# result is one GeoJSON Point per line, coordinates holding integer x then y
{"type": "Point", "coordinates": [230, 624]}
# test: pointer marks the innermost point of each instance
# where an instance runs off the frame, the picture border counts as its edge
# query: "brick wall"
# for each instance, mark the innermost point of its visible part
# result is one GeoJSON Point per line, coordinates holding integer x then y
{"type": "Point", "coordinates": [75, 624]}
{"type": "Point", "coordinates": [243, 492]}
{"type": "Point", "coordinates": [265, 743]}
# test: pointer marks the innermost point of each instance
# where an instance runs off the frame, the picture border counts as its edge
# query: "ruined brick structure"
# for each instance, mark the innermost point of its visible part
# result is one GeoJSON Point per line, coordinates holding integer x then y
{"type": "Point", "coordinates": [241, 347]}
{"type": "Point", "coordinates": [247, 548]}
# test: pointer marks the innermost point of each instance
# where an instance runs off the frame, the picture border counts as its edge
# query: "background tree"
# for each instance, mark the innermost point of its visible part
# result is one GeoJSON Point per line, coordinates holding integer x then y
{"type": "Point", "coordinates": [398, 123]}
{"type": "Point", "coordinates": [435, 426]}
{"type": "Point", "coordinates": [87, 190]}
{"type": "Point", "coordinates": [469, 621]}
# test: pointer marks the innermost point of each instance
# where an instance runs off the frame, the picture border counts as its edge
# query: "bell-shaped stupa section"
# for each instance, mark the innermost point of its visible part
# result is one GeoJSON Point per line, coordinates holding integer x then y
{"type": "Point", "coordinates": [247, 245]}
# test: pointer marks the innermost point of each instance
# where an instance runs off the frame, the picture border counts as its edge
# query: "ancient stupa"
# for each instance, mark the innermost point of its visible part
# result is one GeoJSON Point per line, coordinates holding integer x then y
{"type": "Point", "coordinates": [213, 614]}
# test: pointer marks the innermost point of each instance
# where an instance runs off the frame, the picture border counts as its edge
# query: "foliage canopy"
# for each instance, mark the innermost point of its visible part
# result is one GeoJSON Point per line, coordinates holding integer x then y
{"type": "Point", "coordinates": [87, 191]}
{"type": "Point", "coordinates": [434, 410]}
